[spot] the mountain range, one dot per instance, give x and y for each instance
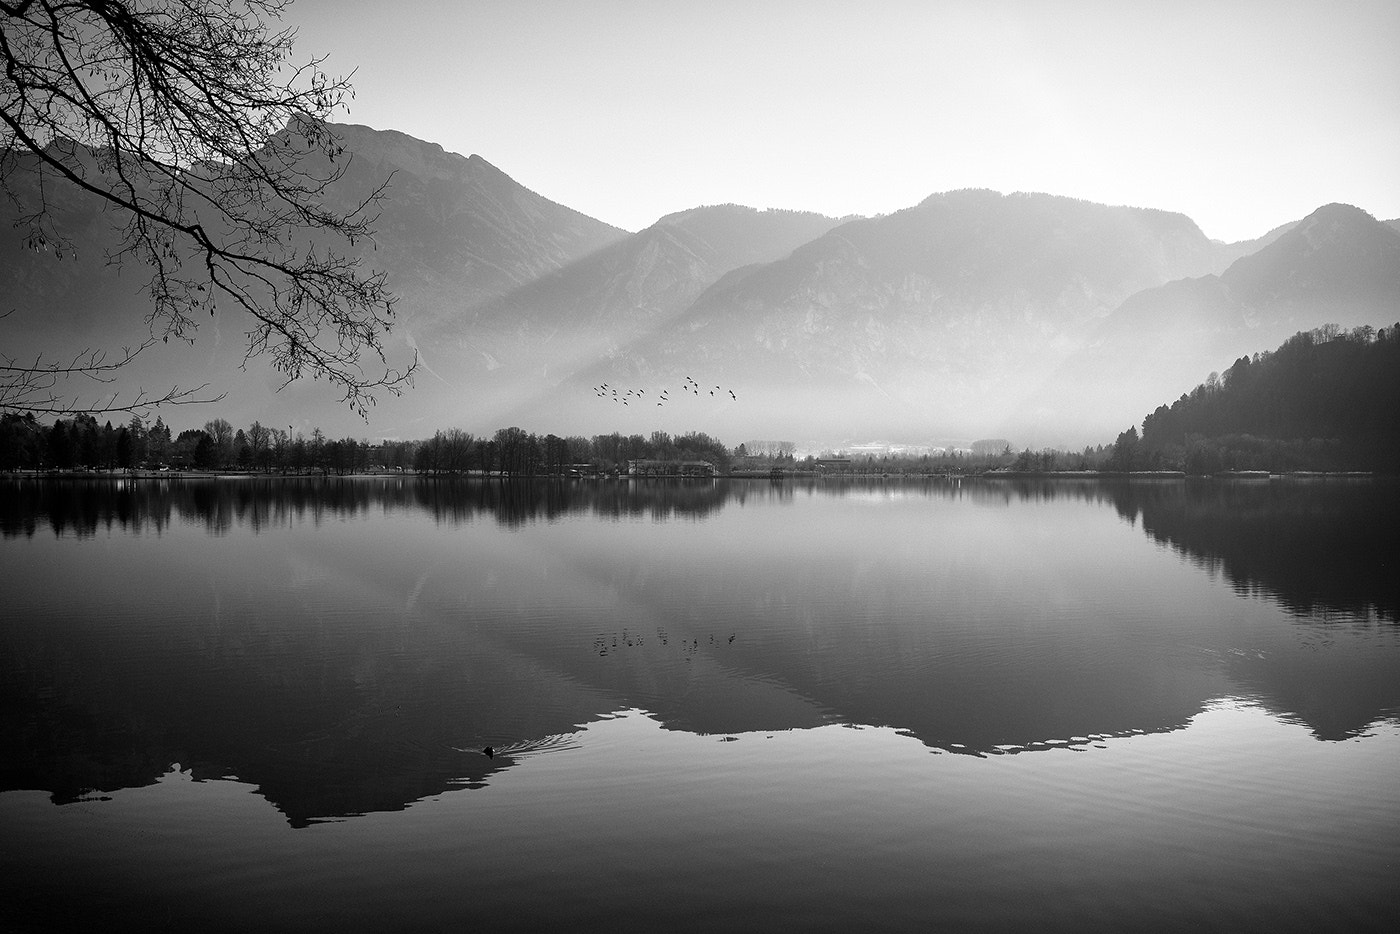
(1044, 319)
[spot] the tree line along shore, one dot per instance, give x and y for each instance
(1324, 402)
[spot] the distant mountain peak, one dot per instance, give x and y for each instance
(728, 208)
(1333, 221)
(1338, 249)
(1337, 210)
(737, 212)
(962, 194)
(419, 156)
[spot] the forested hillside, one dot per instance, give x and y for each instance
(1327, 399)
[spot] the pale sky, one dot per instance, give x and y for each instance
(1242, 115)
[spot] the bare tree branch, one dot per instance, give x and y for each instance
(33, 387)
(211, 153)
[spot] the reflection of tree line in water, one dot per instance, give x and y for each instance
(1314, 545)
(82, 506)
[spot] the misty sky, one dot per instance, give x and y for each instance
(1243, 115)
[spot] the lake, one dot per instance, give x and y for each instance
(253, 704)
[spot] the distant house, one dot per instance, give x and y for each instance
(669, 468)
(833, 463)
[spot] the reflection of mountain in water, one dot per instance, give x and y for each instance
(375, 681)
(1314, 546)
(1327, 551)
(327, 719)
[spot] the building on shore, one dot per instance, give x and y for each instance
(670, 468)
(832, 463)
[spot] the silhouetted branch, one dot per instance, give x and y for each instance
(33, 388)
(185, 121)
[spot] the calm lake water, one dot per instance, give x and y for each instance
(262, 705)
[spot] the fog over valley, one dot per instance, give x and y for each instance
(1046, 320)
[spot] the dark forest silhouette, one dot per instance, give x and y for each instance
(1325, 400)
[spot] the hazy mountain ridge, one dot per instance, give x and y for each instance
(635, 284)
(508, 356)
(1338, 265)
(1339, 255)
(918, 317)
(455, 230)
(1036, 317)
(1229, 252)
(451, 231)
(1336, 260)
(974, 244)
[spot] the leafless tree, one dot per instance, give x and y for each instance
(187, 122)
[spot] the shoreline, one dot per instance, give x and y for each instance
(775, 475)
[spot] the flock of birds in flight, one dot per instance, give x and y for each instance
(616, 394)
